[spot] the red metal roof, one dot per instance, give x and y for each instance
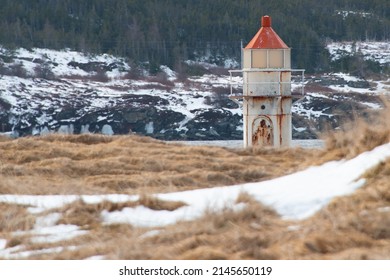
(266, 37)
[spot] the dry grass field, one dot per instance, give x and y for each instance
(351, 227)
(96, 164)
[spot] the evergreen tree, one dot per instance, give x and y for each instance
(169, 31)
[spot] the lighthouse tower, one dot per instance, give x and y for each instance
(267, 99)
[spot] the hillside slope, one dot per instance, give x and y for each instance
(169, 32)
(44, 91)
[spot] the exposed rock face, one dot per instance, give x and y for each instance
(96, 66)
(73, 104)
(4, 108)
(141, 114)
(213, 124)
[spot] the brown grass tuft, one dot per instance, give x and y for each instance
(158, 204)
(360, 135)
(88, 215)
(83, 214)
(15, 218)
(205, 253)
(375, 224)
(332, 242)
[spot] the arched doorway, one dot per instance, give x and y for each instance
(262, 129)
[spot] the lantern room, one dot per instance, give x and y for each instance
(266, 49)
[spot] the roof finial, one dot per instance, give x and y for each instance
(266, 21)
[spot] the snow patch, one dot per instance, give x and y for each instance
(296, 196)
(384, 209)
(169, 72)
(56, 233)
(345, 14)
(18, 252)
(371, 50)
(66, 129)
(150, 233)
(48, 220)
(149, 128)
(84, 129)
(3, 244)
(107, 130)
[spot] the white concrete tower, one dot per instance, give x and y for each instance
(267, 99)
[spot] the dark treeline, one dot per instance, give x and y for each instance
(170, 31)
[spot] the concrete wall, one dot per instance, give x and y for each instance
(276, 128)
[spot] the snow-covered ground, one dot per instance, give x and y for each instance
(61, 61)
(376, 51)
(295, 196)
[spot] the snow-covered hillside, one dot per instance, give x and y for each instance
(44, 91)
(375, 51)
(81, 94)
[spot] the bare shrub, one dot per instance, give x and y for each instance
(135, 73)
(196, 69)
(44, 71)
(161, 78)
(219, 71)
(18, 70)
(99, 76)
